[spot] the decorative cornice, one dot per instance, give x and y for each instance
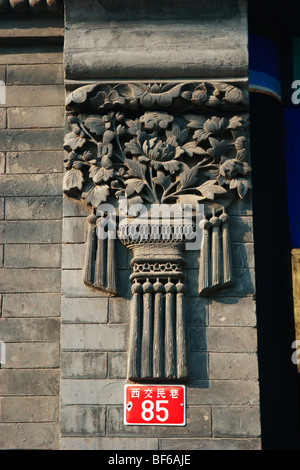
(36, 7)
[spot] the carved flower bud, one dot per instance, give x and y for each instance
(72, 119)
(170, 287)
(136, 288)
(67, 164)
(158, 287)
(180, 288)
(120, 116)
(108, 137)
(87, 156)
(215, 221)
(233, 95)
(133, 103)
(231, 168)
(121, 130)
(92, 219)
(147, 287)
(115, 184)
(121, 171)
(224, 218)
(106, 162)
(200, 95)
(204, 224)
(78, 165)
(155, 88)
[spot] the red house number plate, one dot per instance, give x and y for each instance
(155, 405)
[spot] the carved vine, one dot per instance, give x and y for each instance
(134, 96)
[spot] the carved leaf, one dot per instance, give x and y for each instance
(183, 135)
(133, 126)
(100, 174)
(190, 199)
(73, 179)
(80, 95)
(217, 148)
(163, 180)
(115, 97)
(95, 124)
(101, 100)
(187, 95)
(95, 194)
(136, 169)
(188, 177)
(195, 121)
(213, 102)
(172, 166)
(214, 124)
(176, 135)
(108, 136)
(242, 185)
(242, 155)
(209, 189)
(125, 90)
(133, 147)
(134, 185)
(73, 141)
(138, 89)
(240, 143)
(192, 148)
(235, 122)
(134, 200)
(173, 91)
(200, 135)
(148, 99)
(174, 132)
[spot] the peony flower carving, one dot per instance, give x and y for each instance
(155, 156)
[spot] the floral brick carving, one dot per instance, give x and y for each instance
(156, 144)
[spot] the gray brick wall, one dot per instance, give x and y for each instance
(75, 366)
(31, 135)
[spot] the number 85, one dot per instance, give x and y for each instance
(148, 414)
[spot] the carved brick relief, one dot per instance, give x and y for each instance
(157, 144)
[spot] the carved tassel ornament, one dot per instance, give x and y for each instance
(215, 265)
(157, 330)
(89, 262)
(100, 266)
(158, 346)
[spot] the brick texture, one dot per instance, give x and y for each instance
(31, 128)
